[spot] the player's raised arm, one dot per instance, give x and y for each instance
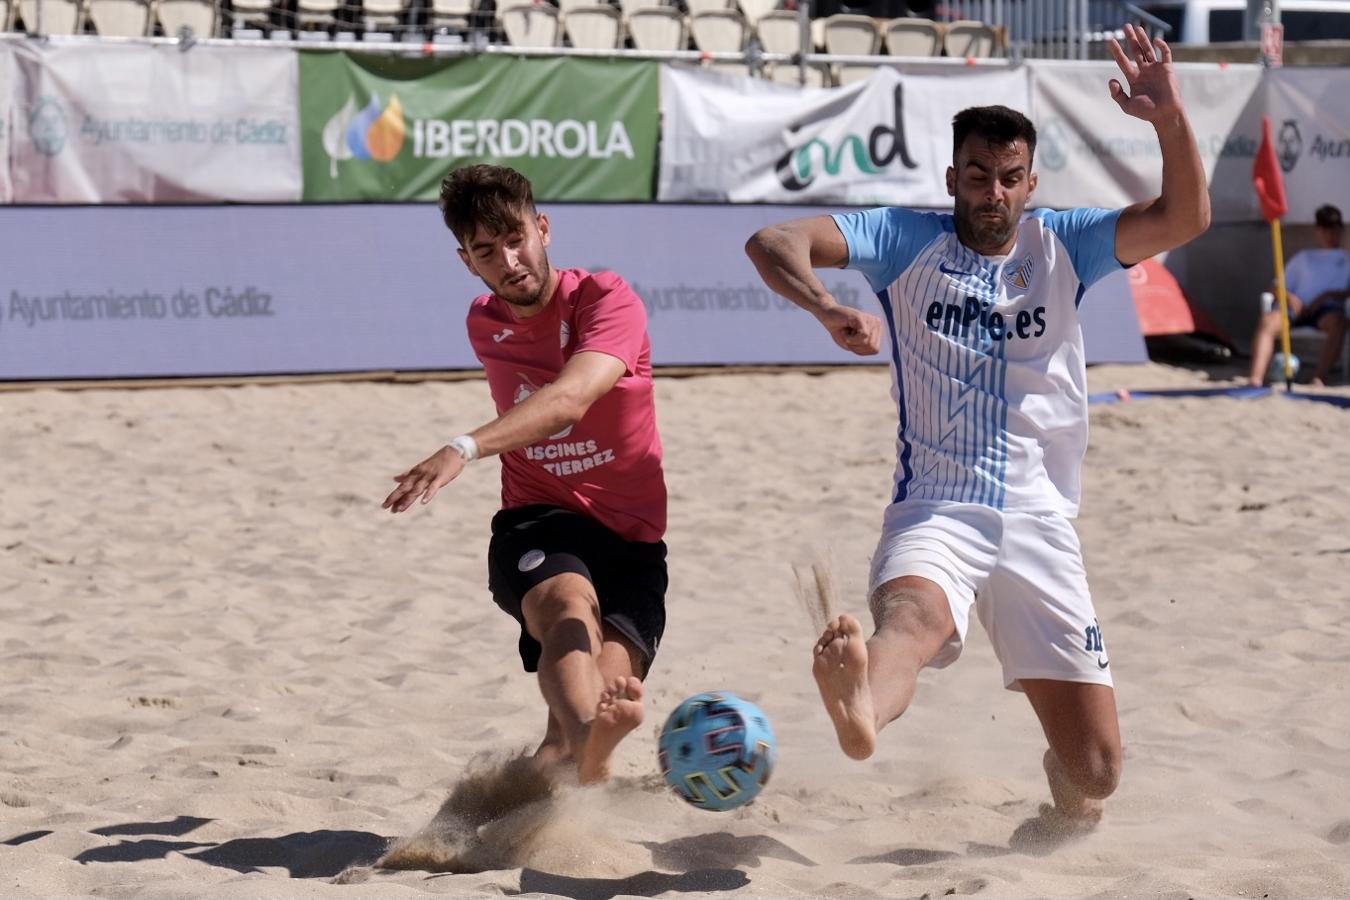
(1181, 212)
(786, 255)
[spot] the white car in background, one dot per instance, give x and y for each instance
(1220, 21)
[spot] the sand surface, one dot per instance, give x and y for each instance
(224, 672)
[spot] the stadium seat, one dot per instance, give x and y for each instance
(628, 7)
(197, 15)
(660, 28)
(252, 12)
(851, 35)
(384, 15)
(754, 10)
(58, 16)
(697, 6)
(451, 13)
(120, 18)
(316, 13)
(594, 27)
(566, 6)
(6, 16)
(970, 39)
(530, 25)
(719, 31)
(913, 37)
(780, 32)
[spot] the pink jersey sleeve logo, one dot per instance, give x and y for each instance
(527, 388)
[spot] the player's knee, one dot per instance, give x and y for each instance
(557, 613)
(912, 610)
(1098, 772)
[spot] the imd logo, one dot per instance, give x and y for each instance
(371, 133)
(1054, 145)
(1289, 145)
(798, 168)
(47, 127)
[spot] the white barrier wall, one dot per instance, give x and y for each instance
(98, 292)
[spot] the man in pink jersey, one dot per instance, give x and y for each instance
(576, 555)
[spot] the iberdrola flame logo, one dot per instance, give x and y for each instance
(371, 133)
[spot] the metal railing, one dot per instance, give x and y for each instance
(1055, 29)
(1028, 29)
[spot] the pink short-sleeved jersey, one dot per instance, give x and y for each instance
(608, 465)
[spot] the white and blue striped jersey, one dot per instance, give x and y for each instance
(987, 360)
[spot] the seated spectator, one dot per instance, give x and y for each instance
(1317, 282)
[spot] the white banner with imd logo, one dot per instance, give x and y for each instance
(884, 141)
(112, 123)
(1090, 153)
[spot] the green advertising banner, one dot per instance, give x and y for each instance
(388, 128)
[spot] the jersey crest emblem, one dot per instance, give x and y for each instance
(1019, 276)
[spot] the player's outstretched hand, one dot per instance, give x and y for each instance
(425, 479)
(1154, 94)
(854, 330)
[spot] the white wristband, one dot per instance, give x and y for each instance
(466, 446)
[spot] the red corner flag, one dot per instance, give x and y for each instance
(1267, 178)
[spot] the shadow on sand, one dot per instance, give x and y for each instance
(305, 854)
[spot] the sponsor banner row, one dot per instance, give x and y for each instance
(104, 123)
(338, 287)
(888, 140)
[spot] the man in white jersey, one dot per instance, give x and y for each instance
(1317, 284)
(989, 378)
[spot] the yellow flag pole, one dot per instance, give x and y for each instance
(1284, 306)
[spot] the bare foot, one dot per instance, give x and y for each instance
(840, 669)
(550, 758)
(619, 712)
(1080, 813)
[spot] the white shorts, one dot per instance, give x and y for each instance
(1022, 572)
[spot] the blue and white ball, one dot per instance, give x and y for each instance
(1277, 366)
(717, 751)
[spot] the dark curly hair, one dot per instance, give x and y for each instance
(493, 197)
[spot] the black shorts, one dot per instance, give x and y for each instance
(1313, 319)
(531, 544)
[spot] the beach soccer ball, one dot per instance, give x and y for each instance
(716, 751)
(1277, 366)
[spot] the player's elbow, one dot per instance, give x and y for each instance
(567, 406)
(764, 244)
(1191, 221)
(1201, 218)
(755, 247)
